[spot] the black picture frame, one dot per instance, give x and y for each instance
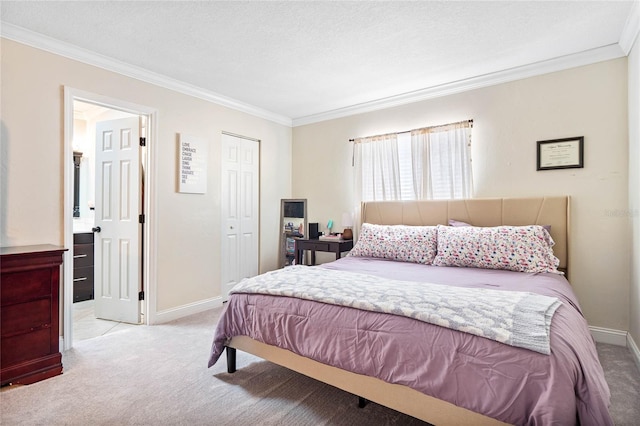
(554, 154)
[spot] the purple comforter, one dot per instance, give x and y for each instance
(514, 385)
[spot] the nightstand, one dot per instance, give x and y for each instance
(314, 245)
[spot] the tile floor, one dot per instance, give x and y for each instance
(87, 326)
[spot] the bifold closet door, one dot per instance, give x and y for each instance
(240, 198)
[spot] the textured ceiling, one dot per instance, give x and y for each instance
(299, 59)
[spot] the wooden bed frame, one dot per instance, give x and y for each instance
(552, 211)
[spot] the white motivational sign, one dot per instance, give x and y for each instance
(192, 160)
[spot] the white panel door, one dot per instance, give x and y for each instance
(249, 209)
(230, 250)
(117, 206)
(240, 210)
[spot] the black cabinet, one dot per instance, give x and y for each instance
(82, 266)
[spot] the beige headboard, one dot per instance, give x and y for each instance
(552, 211)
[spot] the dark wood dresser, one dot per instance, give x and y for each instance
(29, 311)
(82, 266)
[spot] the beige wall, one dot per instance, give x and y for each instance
(634, 187)
(188, 225)
(589, 101)
(509, 118)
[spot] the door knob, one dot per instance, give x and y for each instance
(96, 229)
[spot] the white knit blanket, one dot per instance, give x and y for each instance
(515, 318)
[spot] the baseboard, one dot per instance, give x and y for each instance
(186, 310)
(609, 336)
(619, 338)
(633, 348)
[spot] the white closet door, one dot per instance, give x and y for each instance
(240, 210)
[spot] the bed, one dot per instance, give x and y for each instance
(418, 365)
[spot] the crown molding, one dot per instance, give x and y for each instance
(39, 41)
(631, 28)
(612, 51)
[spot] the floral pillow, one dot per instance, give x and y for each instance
(515, 248)
(416, 244)
(453, 222)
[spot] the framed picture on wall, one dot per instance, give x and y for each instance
(192, 164)
(565, 153)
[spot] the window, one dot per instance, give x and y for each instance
(428, 163)
(407, 189)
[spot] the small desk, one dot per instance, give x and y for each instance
(314, 245)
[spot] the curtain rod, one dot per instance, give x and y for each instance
(429, 127)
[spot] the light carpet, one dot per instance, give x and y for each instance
(157, 376)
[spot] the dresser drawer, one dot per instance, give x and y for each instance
(82, 255)
(83, 284)
(82, 292)
(24, 286)
(83, 238)
(25, 317)
(83, 274)
(26, 347)
(317, 246)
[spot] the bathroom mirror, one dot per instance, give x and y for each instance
(293, 225)
(77, 157)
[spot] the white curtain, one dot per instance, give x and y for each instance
(441, 162)
(376, 168)
(427, 163)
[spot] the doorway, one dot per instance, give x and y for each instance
(93, 315)
(89, 127)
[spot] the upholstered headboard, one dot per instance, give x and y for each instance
(552, 211)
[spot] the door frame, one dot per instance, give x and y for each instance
(150, 202)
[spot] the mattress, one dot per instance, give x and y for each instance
(511, 384)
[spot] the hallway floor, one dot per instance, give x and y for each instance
(87, 326)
